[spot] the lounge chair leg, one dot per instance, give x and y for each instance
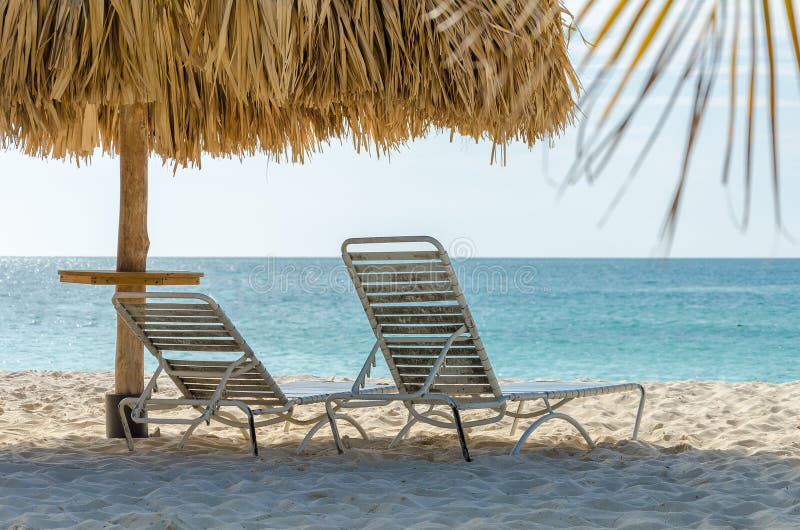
(127, 428)
(639, 413)
(288, 423)
(355, 424)
(232, 418)
(317, 426)
(461, 436)
(310, 434)
(187, 434)
(552, 416)
(438, 413)
(413, 421)
(516, 418)
(334, 428)
(403, 432)
(251, 422)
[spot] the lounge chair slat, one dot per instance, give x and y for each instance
(419, 330)
(172, 312)
(426, 345)
(194, 387)
(182, 373)
(188, 320)
(394, 287)
(235, 394)
(397, 341)
(465, 399)
(244, 384)
(155, 326)
(411, 298)
(174, 347)
(453, 390)
(243, 379)
(214, 368)
(201, 333)
(193, 362)
(418, 276)
(467, 350)
(159, 305)
(446, 380)
(230, 390)
(196, 341)
(253, 401)
(395, 256)
(448, 370)
(259, 404)
(419, 319)
(195, 368)
(450, 309)
(213, 372)
(433, 348)
(381, 268)
(428, 361)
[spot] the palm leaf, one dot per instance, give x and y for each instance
(715, 33)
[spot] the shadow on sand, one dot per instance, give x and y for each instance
(215, 481)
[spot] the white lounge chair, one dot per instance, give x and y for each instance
(433, 349)
(179, 327)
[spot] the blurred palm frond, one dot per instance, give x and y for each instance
(683, 46)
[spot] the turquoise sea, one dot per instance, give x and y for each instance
(639, 319)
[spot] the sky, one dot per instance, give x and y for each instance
(260, 207)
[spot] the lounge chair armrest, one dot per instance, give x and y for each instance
(146, 394)
(366, 370)
(217, 395)
(440, 360)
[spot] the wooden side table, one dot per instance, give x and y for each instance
(129, 360)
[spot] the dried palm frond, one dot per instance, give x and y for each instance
(695, 38)
(233, 77)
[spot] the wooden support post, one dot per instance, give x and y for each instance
(132, 242)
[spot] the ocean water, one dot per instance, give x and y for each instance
(730, 320)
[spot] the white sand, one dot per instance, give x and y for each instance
(710, 455)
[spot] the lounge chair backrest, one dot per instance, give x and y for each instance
(179, 327)
(414, 303)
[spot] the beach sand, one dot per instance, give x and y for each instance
(710, 455)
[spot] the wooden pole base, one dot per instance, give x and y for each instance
(114, 428)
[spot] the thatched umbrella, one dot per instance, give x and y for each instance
(184, 78)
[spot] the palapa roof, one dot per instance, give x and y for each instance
(234, 77)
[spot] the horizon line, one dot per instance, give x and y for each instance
(336, 256)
